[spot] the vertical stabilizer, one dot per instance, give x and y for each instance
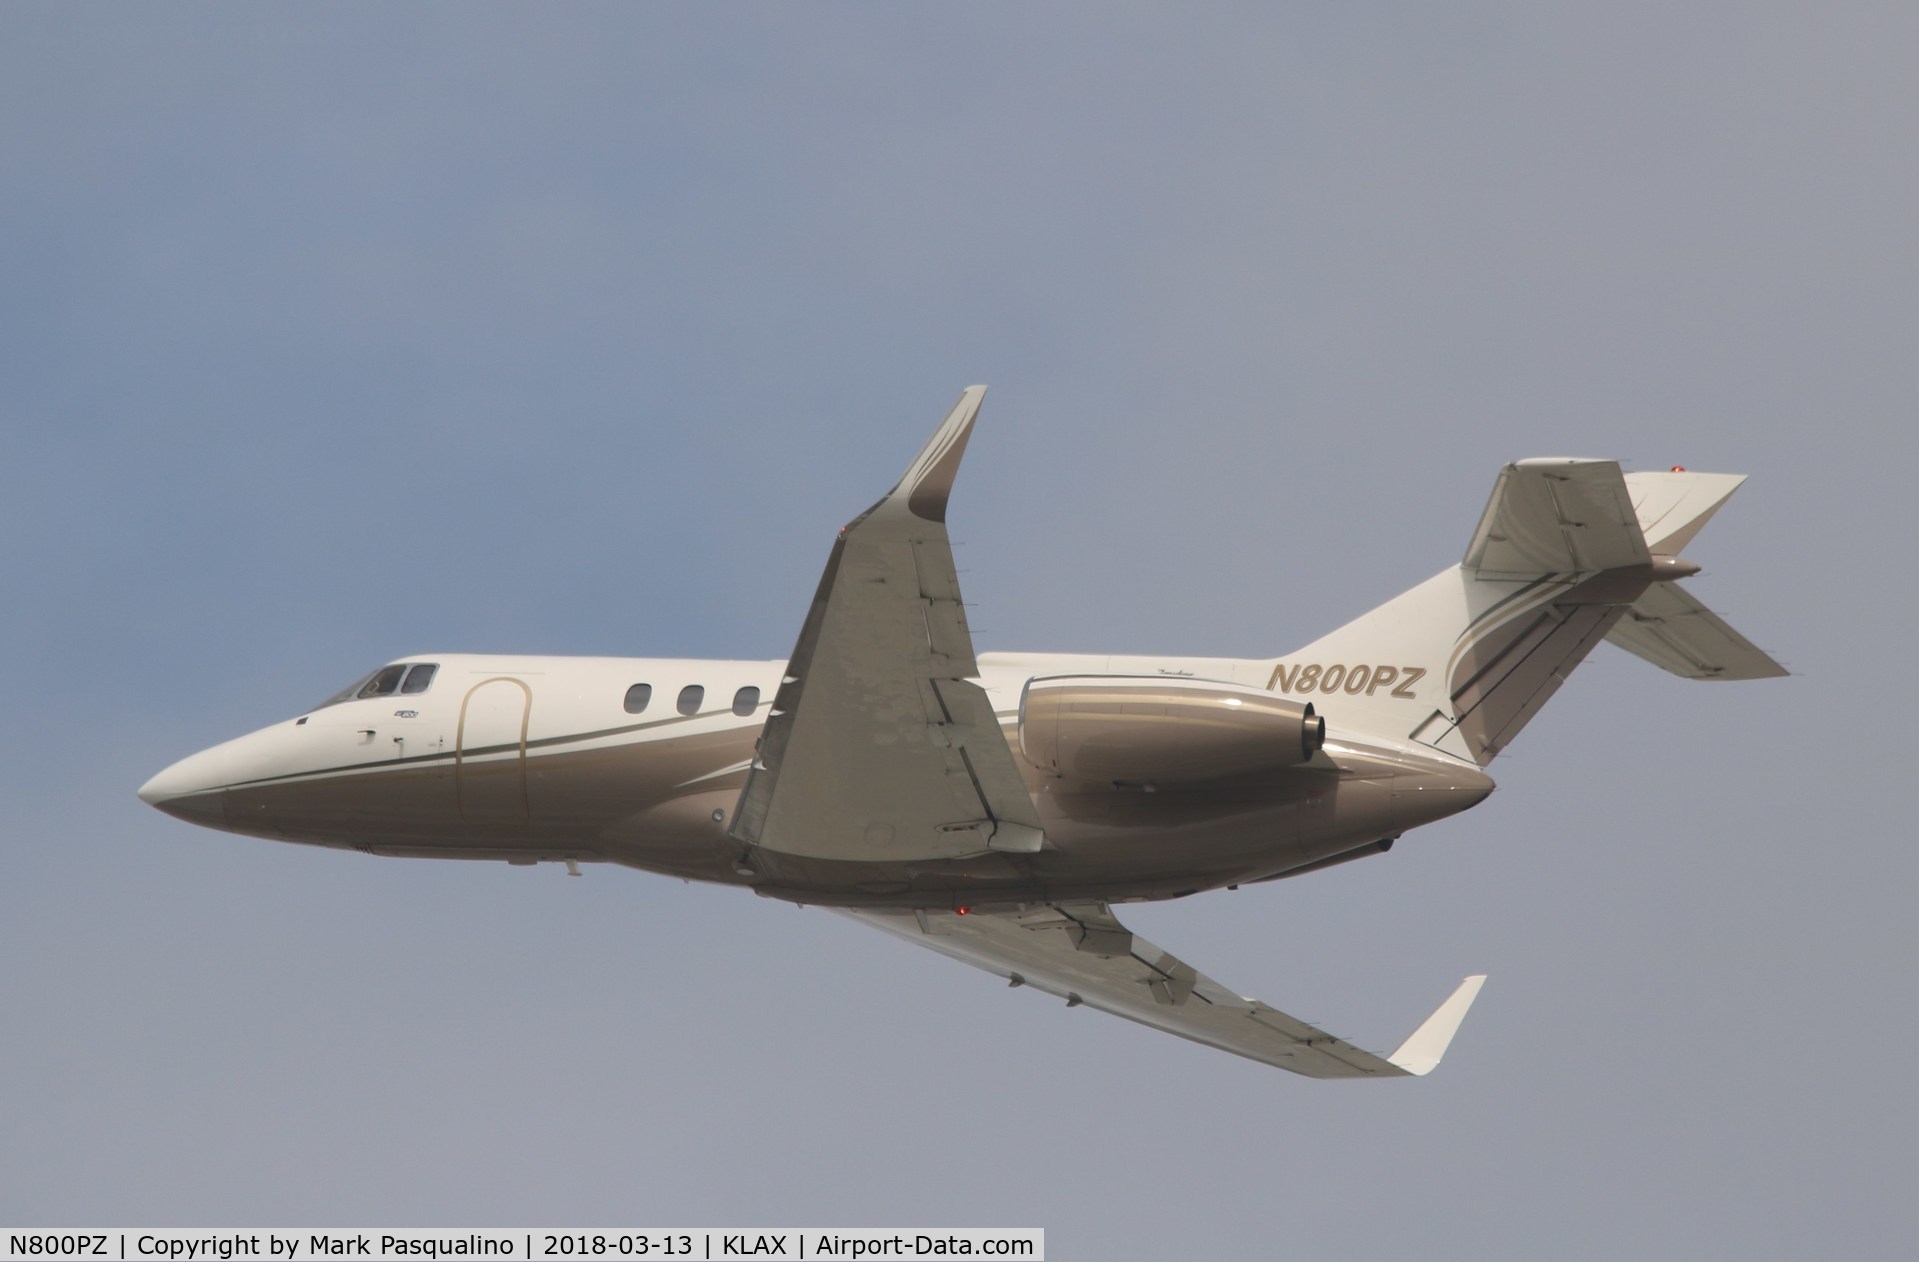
(1567, 553)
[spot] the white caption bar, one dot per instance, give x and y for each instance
(699, 1244)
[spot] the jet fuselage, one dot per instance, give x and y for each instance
(640, 762)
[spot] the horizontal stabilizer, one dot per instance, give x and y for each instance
(1557, 516)
(1673, 507)
(1670, 628)
(1081, 953)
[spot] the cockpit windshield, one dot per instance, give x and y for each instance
(407, 678)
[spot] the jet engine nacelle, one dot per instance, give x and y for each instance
(1154, 730)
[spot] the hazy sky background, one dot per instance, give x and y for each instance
(332, 334)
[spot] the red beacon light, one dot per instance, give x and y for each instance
(1679, 468)
(962, 911)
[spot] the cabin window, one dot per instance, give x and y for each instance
(419, 678)
(385, 682)
(690, 698)
(637, 696)
(745, 700)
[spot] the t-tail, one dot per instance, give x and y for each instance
(1568, 553)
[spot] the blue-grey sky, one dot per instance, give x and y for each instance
(330, 334)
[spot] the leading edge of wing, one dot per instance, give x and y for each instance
(1081, 953)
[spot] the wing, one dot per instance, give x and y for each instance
(878, 746)
(1081, 953)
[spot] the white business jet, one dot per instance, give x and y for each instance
(996, 807)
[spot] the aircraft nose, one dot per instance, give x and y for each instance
(190, 790)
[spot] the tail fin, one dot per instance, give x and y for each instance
(1567, 553)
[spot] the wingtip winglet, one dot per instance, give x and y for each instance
(930, 479)
(1420, 1054)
